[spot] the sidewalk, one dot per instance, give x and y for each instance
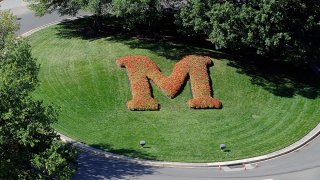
(11, 4)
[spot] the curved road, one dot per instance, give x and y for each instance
(301, 164)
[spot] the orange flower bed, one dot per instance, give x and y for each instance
(140, 69)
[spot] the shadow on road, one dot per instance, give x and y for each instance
(95, 167)
(125, 151)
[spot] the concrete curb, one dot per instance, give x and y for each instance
(295, 146)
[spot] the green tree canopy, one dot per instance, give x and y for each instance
(270, 27)
(137, 12)
(29, 147)
(287, 29)
(7, 27)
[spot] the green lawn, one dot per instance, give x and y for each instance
(81, 77)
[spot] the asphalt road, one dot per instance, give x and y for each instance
(303, 164)
(26, 18)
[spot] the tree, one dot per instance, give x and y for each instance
(29, 147)
(7, 27)
(138, 12)
(282, 29)
(277, 28)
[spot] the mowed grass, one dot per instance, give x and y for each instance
(81, 77)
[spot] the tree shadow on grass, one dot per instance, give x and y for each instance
(166, 43)
(279, 78)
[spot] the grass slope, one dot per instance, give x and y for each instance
(82, 78)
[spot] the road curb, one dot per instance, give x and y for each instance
(83, 147)
(293, 147)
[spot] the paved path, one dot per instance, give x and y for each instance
(303, 164)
